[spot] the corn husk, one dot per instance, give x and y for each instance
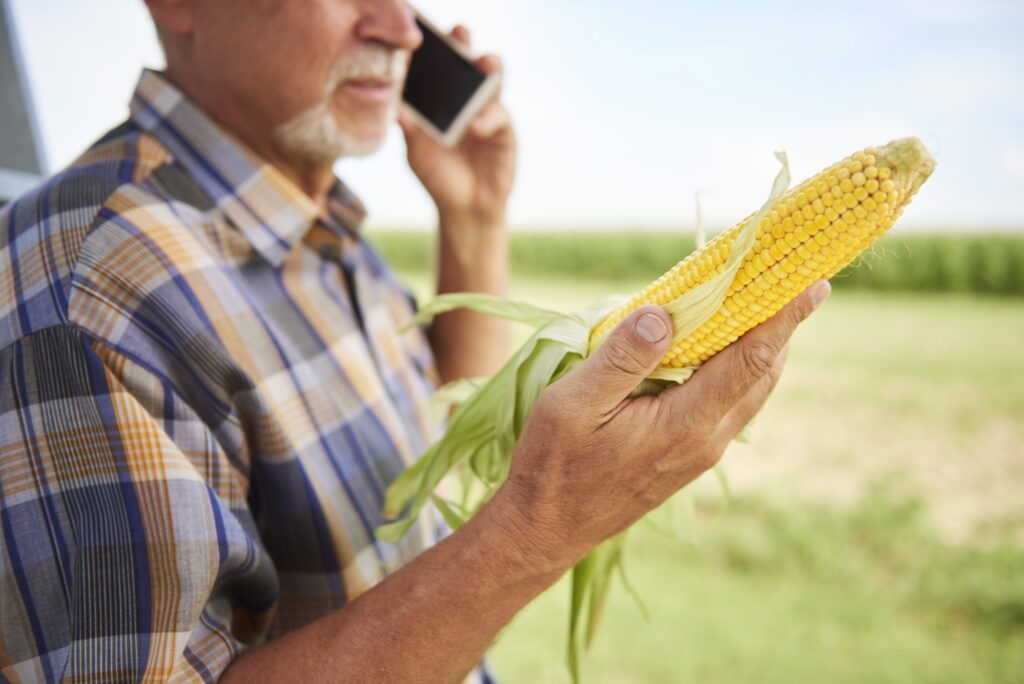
(487, 418)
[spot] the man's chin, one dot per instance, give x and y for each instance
(361, 139)
(360, 147)
(320, 139)
(365, 129)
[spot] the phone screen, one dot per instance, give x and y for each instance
(440, 81)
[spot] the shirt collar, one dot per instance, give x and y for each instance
(270, 210)
(346, 208)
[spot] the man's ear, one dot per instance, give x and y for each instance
(173, 16)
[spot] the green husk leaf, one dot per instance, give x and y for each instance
(488, 465)
(452, 516)
(582, 576)
(723, 483)
(489, 421)
(492, 305)
(630, 588)
(452, 394)
(674, 518)
(608, 560)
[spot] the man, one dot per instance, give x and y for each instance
(203, 396)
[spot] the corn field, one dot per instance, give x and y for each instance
(963, 263)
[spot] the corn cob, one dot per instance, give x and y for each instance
(811, 232)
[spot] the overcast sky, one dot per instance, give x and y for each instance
(625, 109)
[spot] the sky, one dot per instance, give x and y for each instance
(625, 110)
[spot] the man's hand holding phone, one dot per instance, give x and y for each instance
(471, 180)
(462, 147)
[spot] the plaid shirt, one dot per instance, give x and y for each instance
(202, 400)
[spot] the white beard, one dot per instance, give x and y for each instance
(315, 134)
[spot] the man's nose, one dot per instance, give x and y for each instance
(391, 22)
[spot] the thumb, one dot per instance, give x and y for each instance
(627, 356)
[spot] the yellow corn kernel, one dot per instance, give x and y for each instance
(813, 231)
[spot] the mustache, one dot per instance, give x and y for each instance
(370, 62)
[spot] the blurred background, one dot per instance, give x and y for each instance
(873, 527)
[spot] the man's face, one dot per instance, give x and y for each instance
(323, 77)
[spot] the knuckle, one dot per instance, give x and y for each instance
(759, 357)
(694, 427)
(624, 357)
(708, 458)
(684, 426)
(649, 497)
(688, 436)
(689, 463)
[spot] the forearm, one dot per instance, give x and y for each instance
(429, 622)
(471, 258)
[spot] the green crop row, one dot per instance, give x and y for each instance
(981, 263)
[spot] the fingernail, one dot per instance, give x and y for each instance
(651, 328)
(820, 292)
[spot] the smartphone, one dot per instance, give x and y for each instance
(444, 90)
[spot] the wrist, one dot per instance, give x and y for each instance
(470, 222)
(518, 528)
(474, 253)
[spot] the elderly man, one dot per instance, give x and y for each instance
(203, 395)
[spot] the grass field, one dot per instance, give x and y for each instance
(788, 592)
(876, 528)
